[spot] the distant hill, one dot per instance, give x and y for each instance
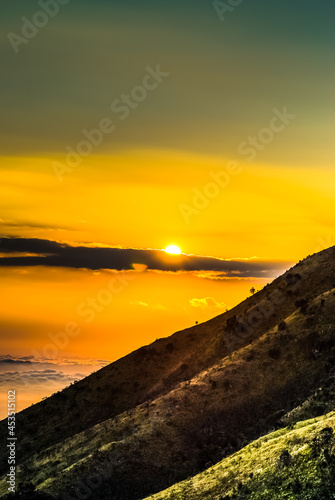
(175, 408)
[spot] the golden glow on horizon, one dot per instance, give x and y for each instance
(274, 213)
(173, 249)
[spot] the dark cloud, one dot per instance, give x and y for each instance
(30, 225)
(32, 360)
(36, 377)
(15, 361)
(7, 359)
(55, 254)
(22, 360)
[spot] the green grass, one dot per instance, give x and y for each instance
(260, 471)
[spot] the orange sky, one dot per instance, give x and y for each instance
(40, 306)
(147, 306)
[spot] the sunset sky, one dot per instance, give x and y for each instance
(130, 126)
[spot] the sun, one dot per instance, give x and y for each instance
(173, 249)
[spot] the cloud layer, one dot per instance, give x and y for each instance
(8, 359)
(17, 252)
(37, 377)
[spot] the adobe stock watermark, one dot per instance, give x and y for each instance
(123, 107)
(221, 8)
(254, 144)
(88, 310)
(201, 199)
(11, 441)
(30, 28)
(221, 180)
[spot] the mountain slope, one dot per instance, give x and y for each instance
(169, 410)
(292, 463)
(209, 417)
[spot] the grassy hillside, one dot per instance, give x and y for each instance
(291, 463)
(172, 409)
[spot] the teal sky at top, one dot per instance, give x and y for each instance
(225, 76)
